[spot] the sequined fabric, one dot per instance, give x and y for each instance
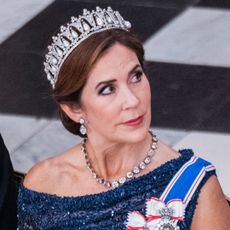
(107, 210)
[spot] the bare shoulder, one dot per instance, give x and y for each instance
(212, 211)
(46, 176)
(40, 174)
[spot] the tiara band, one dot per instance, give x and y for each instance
(75, 32)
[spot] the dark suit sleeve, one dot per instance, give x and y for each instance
(8, 210)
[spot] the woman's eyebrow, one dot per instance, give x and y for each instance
(114, 80)
(134, 69)
(105, 82)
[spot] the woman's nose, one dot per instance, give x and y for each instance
(130, 99)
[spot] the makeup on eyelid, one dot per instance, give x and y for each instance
(109, 84)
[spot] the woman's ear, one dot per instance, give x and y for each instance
(73, 112)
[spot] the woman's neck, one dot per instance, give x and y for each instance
(114, 160)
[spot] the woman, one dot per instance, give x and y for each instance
(8, 204)
(120, 176)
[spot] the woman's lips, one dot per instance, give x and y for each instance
(134, 122)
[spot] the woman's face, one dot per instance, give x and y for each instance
(116, 98)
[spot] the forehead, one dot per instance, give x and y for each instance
(117, 61)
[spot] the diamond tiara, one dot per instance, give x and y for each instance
(75, 32)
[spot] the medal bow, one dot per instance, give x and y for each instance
(157, 213)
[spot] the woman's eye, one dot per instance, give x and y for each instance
(106, 90)
(137, 77)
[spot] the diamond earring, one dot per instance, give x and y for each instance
(83, 129)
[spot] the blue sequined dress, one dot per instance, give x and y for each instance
(107, 210)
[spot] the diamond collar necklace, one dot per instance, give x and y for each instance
(130, 175)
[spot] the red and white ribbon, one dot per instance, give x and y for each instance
(154, 207)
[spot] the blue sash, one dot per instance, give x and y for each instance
(165, 212)
(185, 182)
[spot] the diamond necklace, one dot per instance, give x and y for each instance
(130, 175)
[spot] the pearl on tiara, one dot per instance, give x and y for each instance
(75, 32)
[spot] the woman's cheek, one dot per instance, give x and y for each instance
(147, 91)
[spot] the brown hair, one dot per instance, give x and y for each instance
(75, 69)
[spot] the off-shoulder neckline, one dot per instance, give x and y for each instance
(186, 154)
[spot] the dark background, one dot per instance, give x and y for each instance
(183, 96)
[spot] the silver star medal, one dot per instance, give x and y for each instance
(166, 222)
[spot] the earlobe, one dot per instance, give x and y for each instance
(72, 112)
